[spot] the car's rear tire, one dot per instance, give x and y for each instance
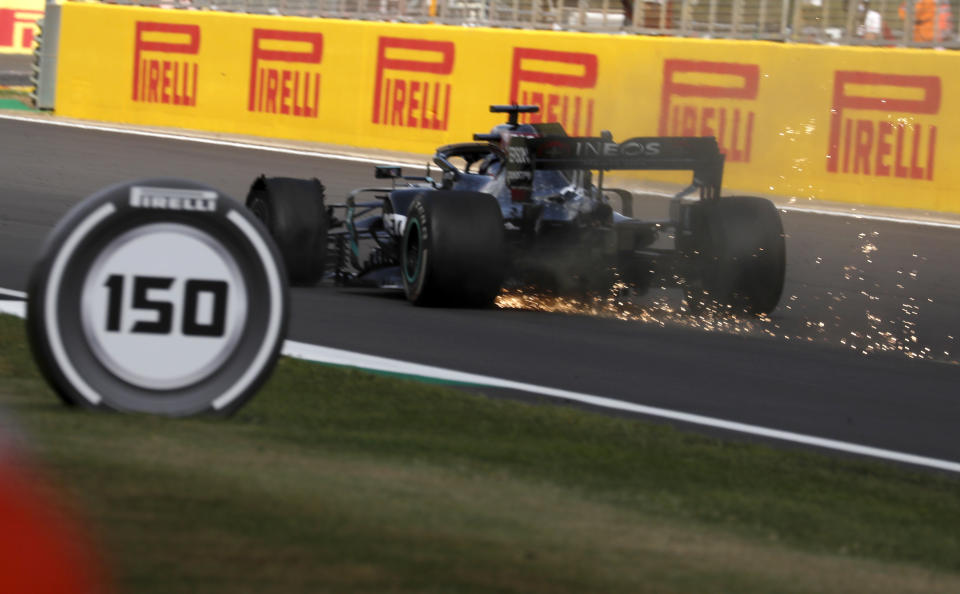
(294, 213)
(452, 252)
(739, 256)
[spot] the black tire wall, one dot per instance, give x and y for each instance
(294, 213)
(452, 254)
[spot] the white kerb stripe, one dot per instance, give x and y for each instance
(320, 354)
(51, 319)
(276, 306)
(870, 217)
(14, 308)
(311, 352)
(212, 141)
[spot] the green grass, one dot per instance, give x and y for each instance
(333, 480)
(14, 99)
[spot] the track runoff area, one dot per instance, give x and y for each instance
(11, 302)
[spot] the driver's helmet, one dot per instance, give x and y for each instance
(491, 164)
(524, 129)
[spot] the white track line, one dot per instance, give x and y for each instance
(210, 141)
(870, 217)
(359, 159)
(332, 356)
(12, 293)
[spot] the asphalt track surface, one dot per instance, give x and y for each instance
(15, 69)
(817, 367)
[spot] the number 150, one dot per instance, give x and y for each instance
(163, 323)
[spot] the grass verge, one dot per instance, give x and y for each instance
(15, 99)
(335, 480)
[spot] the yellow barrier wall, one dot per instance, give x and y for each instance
(854, 124)
(18, 27)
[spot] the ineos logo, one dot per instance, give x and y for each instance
(630, 148)
(581, 148)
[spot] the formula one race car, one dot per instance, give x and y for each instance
(524, 206)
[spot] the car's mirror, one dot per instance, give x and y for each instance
(450, 171)
(387, 172)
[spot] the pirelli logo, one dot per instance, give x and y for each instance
(562, 83)
(412, 88)
(702, 98)
(173, 199)
(18, 27)
(165, 64)
(882, 124)
(284, 72)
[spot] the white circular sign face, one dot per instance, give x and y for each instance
(142, 300)
(163, 306)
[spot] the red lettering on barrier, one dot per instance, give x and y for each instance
(17, 27)
(407, 101)
(876, 150)
(573, 110)
(287, 91)
(162, 79)
(731, 123)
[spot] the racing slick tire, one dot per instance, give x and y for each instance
(293, 211)
(741, 256)
(452, 252)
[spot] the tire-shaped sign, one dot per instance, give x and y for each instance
(159, 296)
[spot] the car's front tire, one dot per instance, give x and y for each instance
(452, 252)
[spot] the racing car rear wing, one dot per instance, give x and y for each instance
(526, 154)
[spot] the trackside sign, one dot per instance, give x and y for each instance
(412, 87)
(158, 296)
(561, 83)
(284, 72)
(865, 125)
(165, 66)
(18, 25)
(701, 98)
(880, 125)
